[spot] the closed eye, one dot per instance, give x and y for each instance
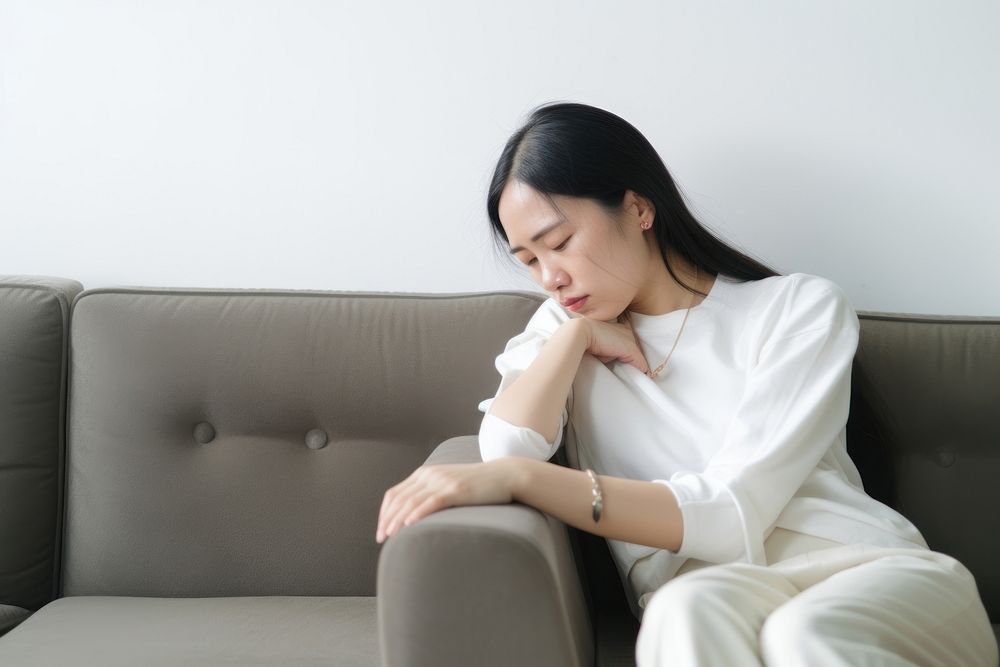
(558, 248)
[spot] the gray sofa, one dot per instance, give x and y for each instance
(193, 476)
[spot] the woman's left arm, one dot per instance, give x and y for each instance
(634, 511)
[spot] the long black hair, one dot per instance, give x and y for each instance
(577, 150)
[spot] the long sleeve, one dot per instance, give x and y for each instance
(795, 403)
(498, 437)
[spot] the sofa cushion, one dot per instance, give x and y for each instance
(239, 442)
(932, 381)
(111, 631)
(10, 616)
(34, 329)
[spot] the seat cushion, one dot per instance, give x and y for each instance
(275, 630)
(10, 616)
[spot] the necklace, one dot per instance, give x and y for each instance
(652, 374)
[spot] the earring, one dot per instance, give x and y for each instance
(645, 225)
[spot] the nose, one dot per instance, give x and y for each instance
(552, 277)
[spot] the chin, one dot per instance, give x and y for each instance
(599, 317)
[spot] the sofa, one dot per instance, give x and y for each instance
(193, 477)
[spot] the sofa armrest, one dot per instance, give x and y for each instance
(481, 585)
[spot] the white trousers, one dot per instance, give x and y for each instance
(832, 605)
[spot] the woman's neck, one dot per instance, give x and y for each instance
(663, 294)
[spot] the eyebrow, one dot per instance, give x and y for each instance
(545, 230)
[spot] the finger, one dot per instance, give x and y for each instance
(404, 509)
(641, 364)
(426, 481)
(431, 504)
(408, 496)
(400, 488)
(438, 491)
(638, 359)
(383, 511)
(389, 501)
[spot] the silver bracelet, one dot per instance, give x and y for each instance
(595, 490)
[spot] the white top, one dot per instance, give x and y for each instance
(746, 425)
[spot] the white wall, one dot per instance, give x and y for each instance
(323, 145)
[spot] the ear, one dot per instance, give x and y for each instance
(643, 208)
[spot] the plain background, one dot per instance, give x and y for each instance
(348, 146)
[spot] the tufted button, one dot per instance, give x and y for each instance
(945, 456)
(204, 433)
(316, 439)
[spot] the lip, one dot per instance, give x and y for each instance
(574, 304)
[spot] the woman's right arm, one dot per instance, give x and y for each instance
(528, 413)
(535, 400)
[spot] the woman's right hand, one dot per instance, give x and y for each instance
(613, 340)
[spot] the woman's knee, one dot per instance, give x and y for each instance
(799, 632)
(790, 629)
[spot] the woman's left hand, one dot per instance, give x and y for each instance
(434, 487)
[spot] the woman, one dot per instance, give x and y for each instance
(708, 398)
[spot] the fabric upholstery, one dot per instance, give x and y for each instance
(129, 631)
(34, 317)
(934, 386)
(10, 616)
(502, 578)
(239, 442)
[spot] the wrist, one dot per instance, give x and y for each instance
(518, 475)
(579, 329)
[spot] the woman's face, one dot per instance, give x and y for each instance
(577, 251)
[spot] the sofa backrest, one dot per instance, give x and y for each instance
(239, 442)
(928, 439)
(34, 330)
(191, 414)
